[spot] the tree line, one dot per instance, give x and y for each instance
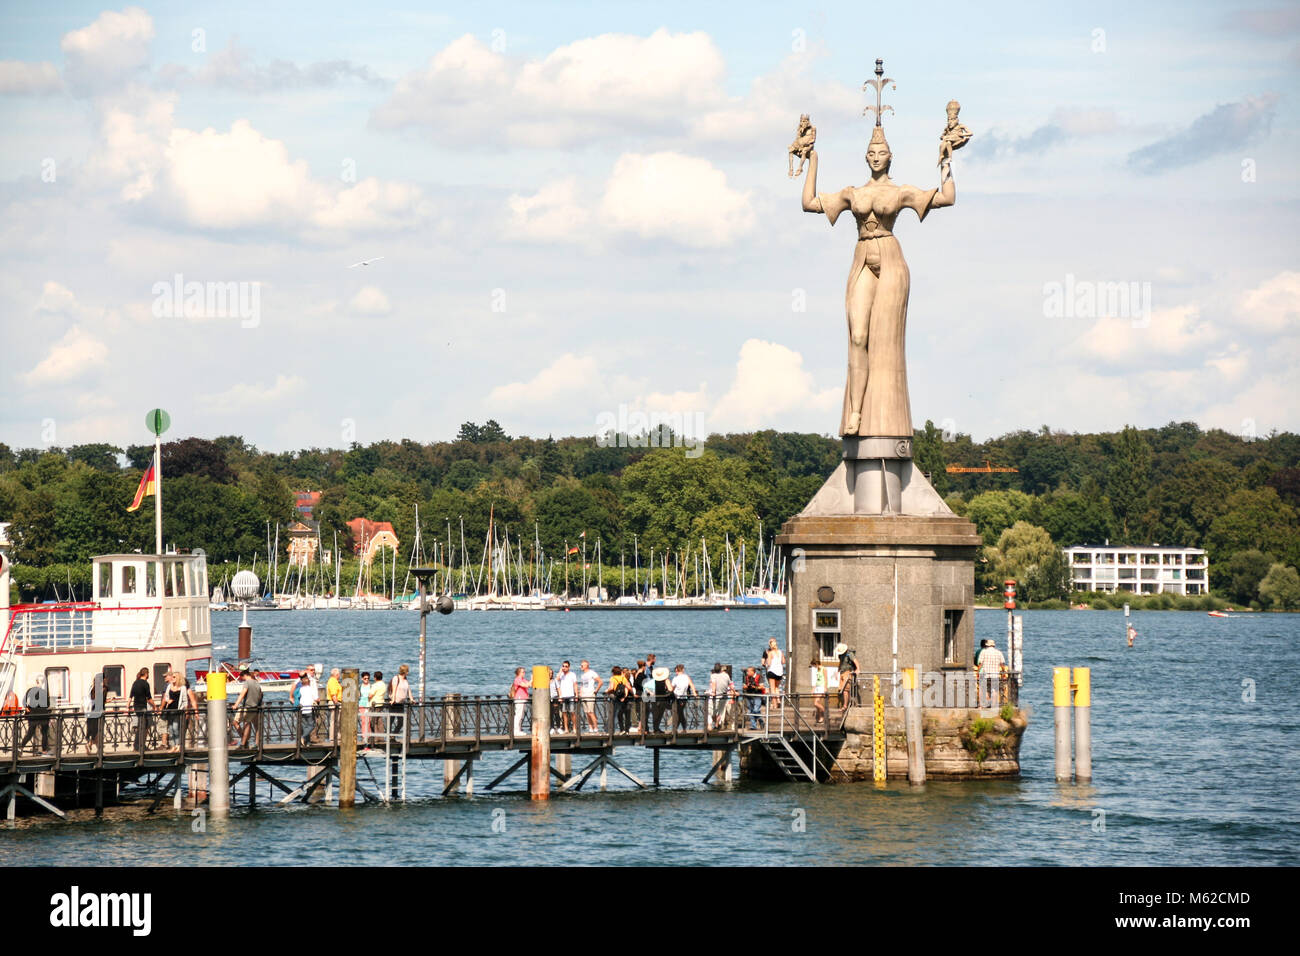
(1177, 485)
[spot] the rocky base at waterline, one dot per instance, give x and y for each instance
(960, 743)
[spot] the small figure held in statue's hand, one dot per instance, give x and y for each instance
(805, 137)
(954, 135)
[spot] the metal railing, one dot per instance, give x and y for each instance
(946, 688)
(66, 626)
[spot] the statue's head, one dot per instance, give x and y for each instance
(878, 155)
(953, 109)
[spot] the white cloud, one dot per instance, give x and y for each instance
(599, 87)
(1173, 331)
(770, 381)
(108, 51)
(56, 299)
(250, 395)
(237, 179)
(72, 356)
(658, 196)
(569, 375)
(1273, 306)
(370, 300)
(19, 77)
(553, 212)
(671, 196)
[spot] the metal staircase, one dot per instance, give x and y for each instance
(786, 760)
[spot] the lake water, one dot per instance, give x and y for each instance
(1187, 769)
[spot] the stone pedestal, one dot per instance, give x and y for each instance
(901, 586)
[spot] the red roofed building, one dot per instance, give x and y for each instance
(305, 502)
(369, 536)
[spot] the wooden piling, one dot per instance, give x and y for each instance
(347, 729)
(539, 764)
(1083, 724)
(912, 722)
(1061, 704)
(218, 741)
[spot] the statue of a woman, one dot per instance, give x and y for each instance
(875, 398)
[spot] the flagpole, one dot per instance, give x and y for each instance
(157, 492)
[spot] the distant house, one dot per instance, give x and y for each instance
(305, 502)
(369, 536)
(1149, 570)
(304, 543)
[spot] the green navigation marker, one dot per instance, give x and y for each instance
(157, 421)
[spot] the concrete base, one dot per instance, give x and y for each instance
(953, 751)
(898, 584)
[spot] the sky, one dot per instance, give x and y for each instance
(576, 211)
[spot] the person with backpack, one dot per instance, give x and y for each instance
(37, 702)
(753, 690)
(620, 692)
(848, 672)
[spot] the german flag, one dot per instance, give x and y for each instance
(573, 551)
(146, 488)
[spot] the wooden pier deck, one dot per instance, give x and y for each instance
(455, 728)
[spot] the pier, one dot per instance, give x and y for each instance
(797, 734)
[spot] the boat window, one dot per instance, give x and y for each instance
(160, 672)
(181, 572)
(105, 581)
(169, 589)
(113, 677)
(151, 578)
(56, 681)
(128, 579)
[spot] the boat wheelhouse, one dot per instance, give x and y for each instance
(146, 611)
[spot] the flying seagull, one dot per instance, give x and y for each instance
(365, 262)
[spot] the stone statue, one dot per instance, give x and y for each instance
(805, 135)
(954, 135)
(876, 422)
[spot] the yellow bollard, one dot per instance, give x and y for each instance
(539, 765)
(912, 722)
(218, 761)
(1061, 704)
(1083, 724)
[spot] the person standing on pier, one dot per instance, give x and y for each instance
(141, 704)
(640, 677)
(990, 670)
(753, 690)
(774, 664)
(662, 693)
(590, 682)
(520, 691)
(363, 708)
(246, 706)
(37, 702)
(307, 697)
(378, 692)
(848, 672)
(683, 690)
(334, 696)
(567, 691)
(399, 694)
(620, 692)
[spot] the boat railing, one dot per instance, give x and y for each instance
(68, 626)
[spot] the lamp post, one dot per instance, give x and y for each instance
(443, 605)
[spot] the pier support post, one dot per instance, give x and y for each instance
(656, 749)
(539, 765)
(723, 757)
(912, 722)
(347, 728)
(1061, 704)
(1083, 724)
(218, 741)
(450, 776)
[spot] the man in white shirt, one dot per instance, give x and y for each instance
(991, 666)
(567, 690)
(308, 694)
(683, 688)
(590, 683)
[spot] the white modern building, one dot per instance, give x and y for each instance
(1150, 570)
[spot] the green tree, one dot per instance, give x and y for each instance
(1252, 520)
(1280, 588)
(995, 511)
(1026, 553)
(1129, 480)
(1244, 572)
(927, 447)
